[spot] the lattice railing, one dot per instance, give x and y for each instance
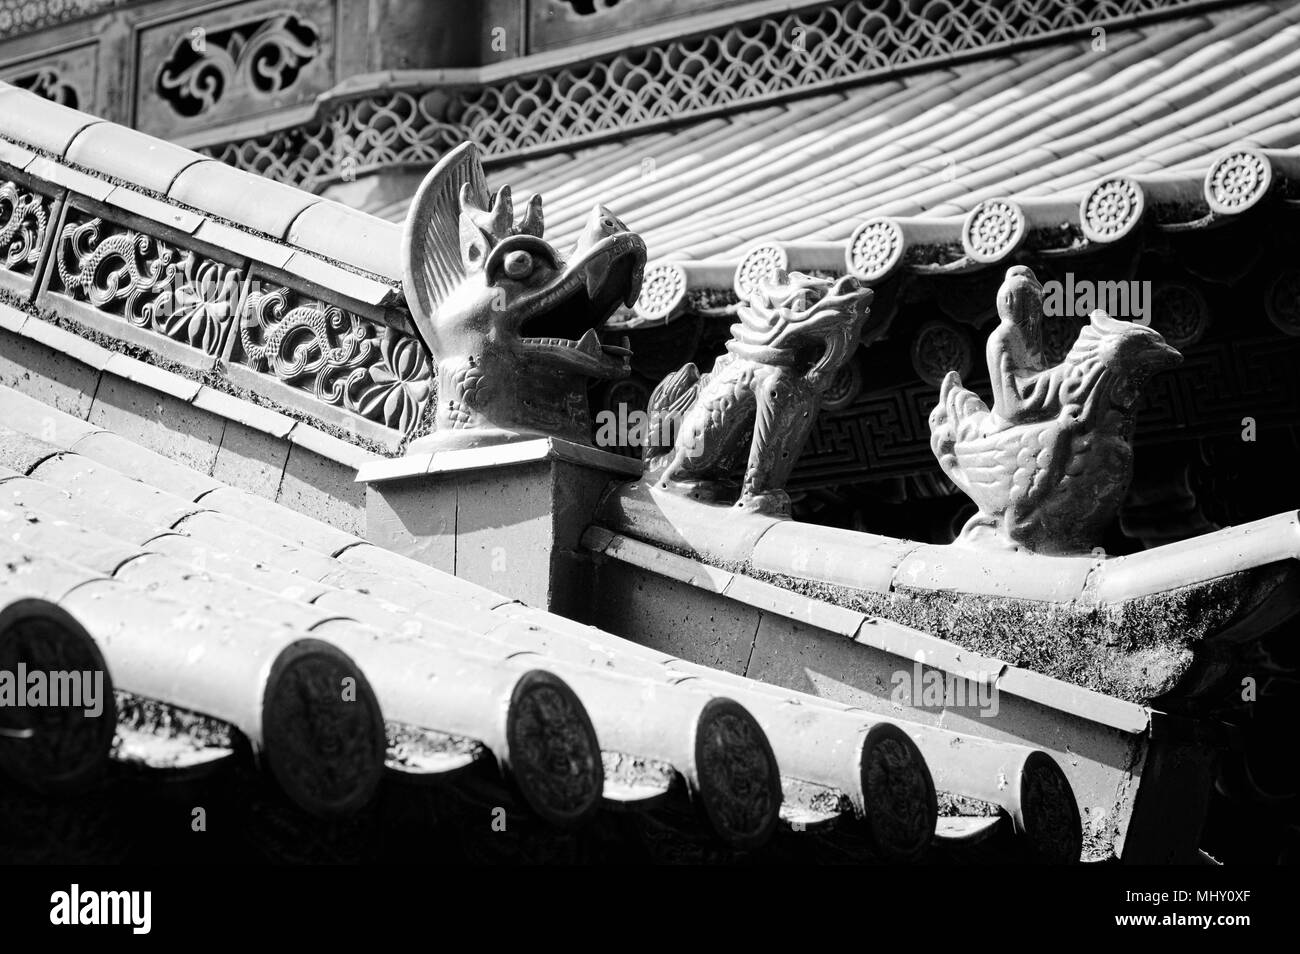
(25, 16)
(820, 46)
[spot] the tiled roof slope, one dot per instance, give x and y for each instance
(1042, 123)
(126, 168)
(223, 606)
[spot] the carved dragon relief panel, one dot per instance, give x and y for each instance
(334, 355)
(24, 222)
(230, 64)
(342, 359)
(146, 281)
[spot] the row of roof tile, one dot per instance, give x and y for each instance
(118, 157)
(145, 552)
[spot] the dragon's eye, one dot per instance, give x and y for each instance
(609, 224)
(519, 265)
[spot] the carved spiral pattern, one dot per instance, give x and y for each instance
(899, 795)
(1049, 812)
(148, 282)
(663, 290)
(48, 83)
(1180, 313)
(337, 357)
(1111, 209)
(24, 217)
(265, 56)
(820, 44)
(759, 265)
(875, 248)
(1238, 181)
(940, 347)
(992, 230)
(554, 755)
(738, 777)
(325, 744)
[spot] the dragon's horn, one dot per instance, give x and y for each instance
(531, 222)
(503, 213)
(433, 240)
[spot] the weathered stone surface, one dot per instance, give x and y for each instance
(166, 424)
(46, 374)
(325, 489)
(674, 618)
(251, 460)
(416, 518)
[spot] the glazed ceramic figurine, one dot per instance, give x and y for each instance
(792, 337)
(511, 323)
(1051, 461)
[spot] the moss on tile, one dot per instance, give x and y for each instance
(1137, 651)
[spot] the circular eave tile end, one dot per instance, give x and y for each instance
(55, 748)
(322, 729)
(993, 231)
(760, 264)
(899, 801)
(552, 751)
(663, 292)
(875, 249)
(1048, 814)
(1111, 209)
(1238, 181)
(739, 783)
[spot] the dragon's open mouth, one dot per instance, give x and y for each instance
(562, 319)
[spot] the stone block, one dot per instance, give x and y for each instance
(416, 518)
(251, 460)
(325, 489)
(161, 422)
(47, 375)
(673, 617)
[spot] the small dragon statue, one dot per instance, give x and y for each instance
(793, 335)
(1049, 464)
(511, 323)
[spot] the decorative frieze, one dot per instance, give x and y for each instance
(147, 282)
(24, 221)
(266, 56)
(335, 356)
(744, 63)
(232, 63)
(25, 16)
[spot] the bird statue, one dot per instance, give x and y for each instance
(1050, 462)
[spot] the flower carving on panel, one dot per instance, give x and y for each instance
(24, 217)
(148, 282)
(393, 390)
(338, 357)
(265, 56)
(198, 305)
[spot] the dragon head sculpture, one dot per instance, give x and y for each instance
(511, 323)
(801, 321)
